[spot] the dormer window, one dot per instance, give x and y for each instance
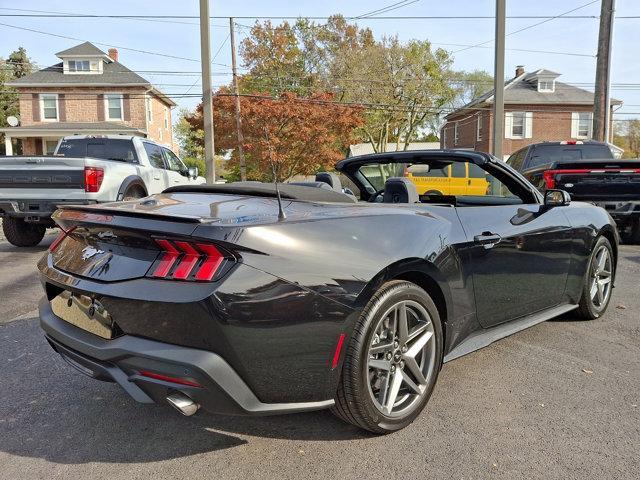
(79, 65)
(546, 85)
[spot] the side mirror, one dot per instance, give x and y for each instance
(193, 172)
(556, 198)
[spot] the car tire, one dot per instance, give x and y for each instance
(598, 281)
(360, 399)
(22, 234)
(133, 193)
(434, 192)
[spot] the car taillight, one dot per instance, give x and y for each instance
(93, 177)
(181, 260)
(58, 240)
(550, 175)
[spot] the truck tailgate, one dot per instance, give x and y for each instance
(614, 180)
(55, 177)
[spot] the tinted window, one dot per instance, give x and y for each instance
(458, 170)
(476, 172)
(543, 154)
(517, 159)
(104, 148)
(154, 152)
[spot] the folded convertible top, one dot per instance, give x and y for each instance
(258, 189)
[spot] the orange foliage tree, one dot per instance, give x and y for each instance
(299, 135)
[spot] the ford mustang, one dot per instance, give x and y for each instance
(249, 298)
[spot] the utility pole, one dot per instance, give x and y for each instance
(498, 80)
(207, 106)
(602, 95)
(243, 166)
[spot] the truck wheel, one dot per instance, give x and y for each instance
(133, 193)
(21, 233)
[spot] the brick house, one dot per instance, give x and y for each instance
(537, 108)
(88, 92)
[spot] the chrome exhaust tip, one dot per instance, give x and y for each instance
(182, 403)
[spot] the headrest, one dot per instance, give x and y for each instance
(330, 179)
(400, 190)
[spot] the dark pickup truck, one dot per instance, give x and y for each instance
(590, 173)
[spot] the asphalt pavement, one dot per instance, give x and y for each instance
(560, 400)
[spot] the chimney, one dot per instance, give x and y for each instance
(113, 53)
(519, 68)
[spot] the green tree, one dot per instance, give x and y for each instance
(17, 65)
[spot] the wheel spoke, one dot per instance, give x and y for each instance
(403, 326)
(600, 294)
(410, 383)
(413, 366)
(602, 259)
(418, 330)
(380, 364)
(394, 388)
(418, 345)
(604, 281)
(604, 274)
(384, 388)
(594, 289)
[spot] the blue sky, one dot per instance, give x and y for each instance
(182, 39)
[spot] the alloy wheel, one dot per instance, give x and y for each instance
(601, 268)
(401, 358)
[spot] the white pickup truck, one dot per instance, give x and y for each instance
(83, 170)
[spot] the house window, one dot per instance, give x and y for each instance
(546, 85)
(149, 111)
(456, 135)
(79, 65)
(166, 117)
(113, 106)
(517, 124)
(479, 129)
(49, 145)
(582, 124)
(49, 106)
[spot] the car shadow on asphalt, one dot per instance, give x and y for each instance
(6, 247)
(49, 411)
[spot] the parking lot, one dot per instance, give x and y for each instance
(560, 400)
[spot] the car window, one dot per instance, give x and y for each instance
(103, 148)
(173, 161)
(458, 170)
(154, 152)
(378, 174)
(419, 171)
(476, 172)
(516, 160)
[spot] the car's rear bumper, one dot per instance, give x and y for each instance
(620, 210)
(36, 210)
(220, 390)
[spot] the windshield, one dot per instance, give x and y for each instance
(104, 148)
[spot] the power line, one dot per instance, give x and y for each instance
(561, 15)
(388, 8)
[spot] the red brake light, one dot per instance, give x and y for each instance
(93, 177)
(201, 258)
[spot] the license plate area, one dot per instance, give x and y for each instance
(83, 312)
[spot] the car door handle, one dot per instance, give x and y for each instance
(156, 178)
(487, 239)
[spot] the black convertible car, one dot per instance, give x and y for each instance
(214, 297)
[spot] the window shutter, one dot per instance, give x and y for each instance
(38, 146)
(575, 118)
(126, 107)
(508, 124)
(62, 111)
(528, 125)
(35, 107)
(100, 107)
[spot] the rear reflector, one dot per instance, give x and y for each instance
(336, 354)
(183, 260)
(165, 378)
(93, 177)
